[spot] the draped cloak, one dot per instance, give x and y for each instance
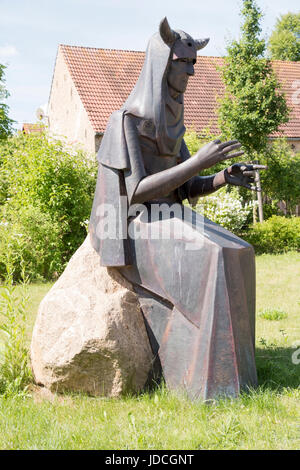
(198, 306)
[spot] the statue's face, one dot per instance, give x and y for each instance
(179, 73)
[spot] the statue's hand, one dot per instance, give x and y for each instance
(242, 174)
(216, 151)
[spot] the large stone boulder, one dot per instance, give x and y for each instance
(89, 335)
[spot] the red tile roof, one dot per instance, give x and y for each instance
(105, 77)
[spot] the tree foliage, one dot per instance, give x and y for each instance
(281, 180)
(5, 122)
(253, 105)
(284, 42)
(46, 195)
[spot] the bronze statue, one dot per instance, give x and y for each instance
(198, 299)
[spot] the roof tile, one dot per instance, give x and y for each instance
(105, 77)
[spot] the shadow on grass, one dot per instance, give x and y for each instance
(275, 368)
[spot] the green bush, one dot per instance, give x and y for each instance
(271, 208)
(275, 235)
(15, 372)
(46, 193)
(31, 236)
(280, 182)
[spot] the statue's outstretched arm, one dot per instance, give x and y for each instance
(162, 183)
(238, 174)
(204, 185)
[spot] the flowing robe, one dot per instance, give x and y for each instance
(196, 286)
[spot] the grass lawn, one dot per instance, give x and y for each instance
(266, 418)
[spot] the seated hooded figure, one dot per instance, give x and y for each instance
(196, 289)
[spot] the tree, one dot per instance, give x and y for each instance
(284, 42)
(5, 122)
(253, 105)
(281, 181)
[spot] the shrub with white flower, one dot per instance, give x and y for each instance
(226, 209)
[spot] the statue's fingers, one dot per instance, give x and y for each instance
(231, 147)
(248, 186)
(229, 143)
(259, 167)
(233, 155)
(247, 167)
(230, 170)
(249, 180)
(243, 167)
(237, 169)
(237, 182)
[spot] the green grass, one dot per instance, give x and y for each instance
(266, 418)
(263, 420)
(273, 314)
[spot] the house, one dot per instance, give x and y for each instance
(89, 84)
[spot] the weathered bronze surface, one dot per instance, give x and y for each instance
(197, 298)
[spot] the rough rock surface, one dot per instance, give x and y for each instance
(89, 334)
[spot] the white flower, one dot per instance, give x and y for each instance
(225, 209)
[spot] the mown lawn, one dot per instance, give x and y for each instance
(266, 418)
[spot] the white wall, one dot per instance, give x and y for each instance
(67, 116)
